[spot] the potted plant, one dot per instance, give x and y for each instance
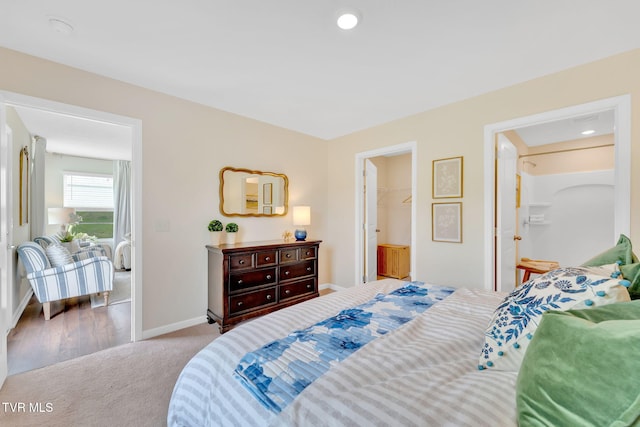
(232, 230)
(67, 239)
(215, 229)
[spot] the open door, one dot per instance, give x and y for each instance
(5, 235)
(506, 227)
(371, 221)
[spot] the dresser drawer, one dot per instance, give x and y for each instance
(249, 279)
(296, 289)
(241, 261)
(267, 258)
(252, 300)
(294, 271)
(288, 255)
(308, 253)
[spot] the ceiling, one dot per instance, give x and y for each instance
(285, 62)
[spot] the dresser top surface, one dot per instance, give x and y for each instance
(265, 244)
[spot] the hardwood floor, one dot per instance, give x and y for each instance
(75, 329)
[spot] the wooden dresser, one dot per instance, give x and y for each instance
(393, 261)
(255, 278)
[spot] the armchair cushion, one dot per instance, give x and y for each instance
(58, 255)
(33, 257)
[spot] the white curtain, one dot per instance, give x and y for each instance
(38, 217)
(121, 200)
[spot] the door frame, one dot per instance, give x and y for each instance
(15, 99)
(410, 147)
(622, 149)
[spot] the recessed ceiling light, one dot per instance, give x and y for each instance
(588, 132)
(60, 25)
(348, 20)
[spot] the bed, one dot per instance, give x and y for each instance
(471, 357)
(430, 362)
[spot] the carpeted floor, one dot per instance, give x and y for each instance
(128, 385)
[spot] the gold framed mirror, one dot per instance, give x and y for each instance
(245, 192)
(24, 186)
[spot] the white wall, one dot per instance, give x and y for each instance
(578, 210)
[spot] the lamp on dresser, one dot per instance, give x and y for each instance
(301, 217)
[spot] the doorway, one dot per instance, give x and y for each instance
(8, 99)
(496, 230)
(400, 195)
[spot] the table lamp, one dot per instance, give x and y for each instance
(301, 217)
(61, 216)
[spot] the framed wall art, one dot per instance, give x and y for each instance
(447, 178)
(446, 222)
(24, 186)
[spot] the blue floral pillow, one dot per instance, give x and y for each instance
(516, 318)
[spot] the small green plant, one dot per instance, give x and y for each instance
(232, 227)
(215, 225)
(66, 237)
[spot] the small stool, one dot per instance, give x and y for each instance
(536, 266)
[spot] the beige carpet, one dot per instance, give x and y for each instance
(129, 385)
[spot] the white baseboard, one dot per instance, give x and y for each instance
(20, 309)
(331, 286)
(150, 333)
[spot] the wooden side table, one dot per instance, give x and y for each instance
(536, 266)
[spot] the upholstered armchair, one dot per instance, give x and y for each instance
(85, 274)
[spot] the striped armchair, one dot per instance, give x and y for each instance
(88, 274)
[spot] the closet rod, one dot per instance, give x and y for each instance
(565, 150)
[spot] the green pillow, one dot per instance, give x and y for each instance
(631, 272)
(581, 369)
(622, 252)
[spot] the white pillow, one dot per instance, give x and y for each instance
(58, 255)
(516, 318)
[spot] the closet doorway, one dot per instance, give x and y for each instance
(385, 209)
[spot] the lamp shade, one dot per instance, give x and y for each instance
(301, 215)
(60, 215)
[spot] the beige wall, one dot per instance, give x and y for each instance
(600, 156)
(184, 145)
(457, 130)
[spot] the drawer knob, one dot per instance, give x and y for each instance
(286, 273)
(288, 291)
(269, 297)
(268, 277)
(267, 258)
(307, 253)
(308, 268)
(308, 286)
(241, 262)
(240, 282)
(288, 255)
(239, 303)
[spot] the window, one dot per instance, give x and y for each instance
(92, 197)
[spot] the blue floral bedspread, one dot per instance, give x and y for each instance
(276, 373)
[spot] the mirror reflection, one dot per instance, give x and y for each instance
(245, 192)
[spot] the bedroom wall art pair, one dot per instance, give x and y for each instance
(447, 183)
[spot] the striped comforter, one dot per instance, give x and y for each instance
(423, 374)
